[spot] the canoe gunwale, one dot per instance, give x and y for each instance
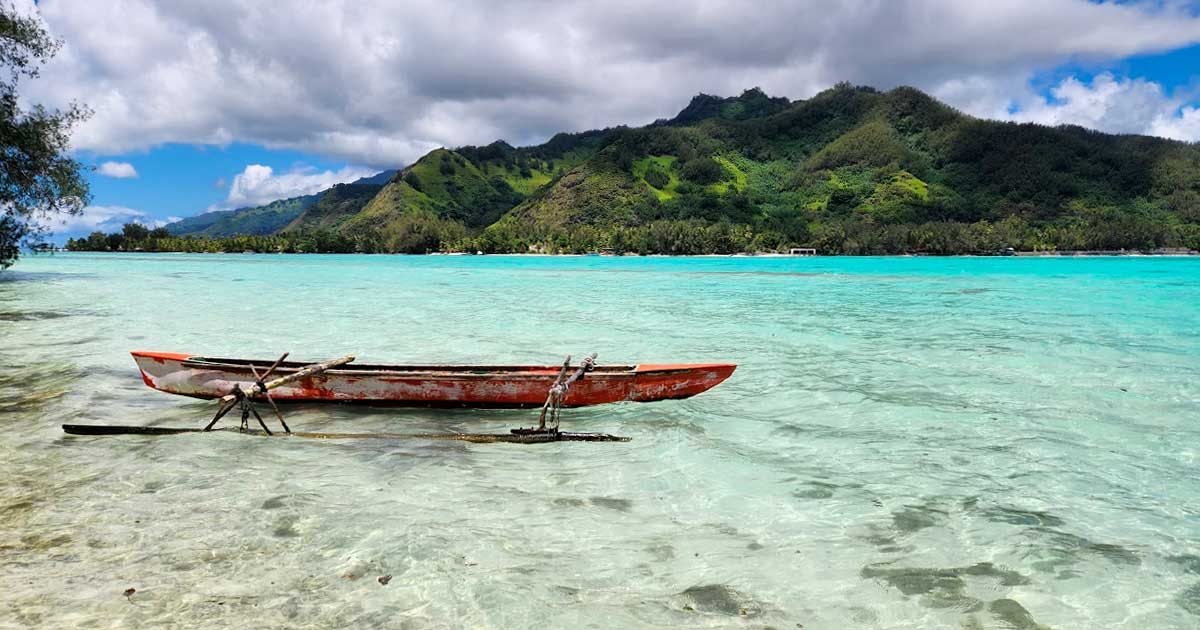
(370, 370)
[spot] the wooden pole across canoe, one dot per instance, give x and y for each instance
(244, 396)
(478, 438)
(316, 368)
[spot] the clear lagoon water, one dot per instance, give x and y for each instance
(907, 443)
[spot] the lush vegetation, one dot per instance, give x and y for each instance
(331, 208)
(322, 210)
(850, 171)
(38, 180)
(414, 234)
(258, 220)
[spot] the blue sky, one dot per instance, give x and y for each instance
(228, 103)
(1173, 69)
(180, 180)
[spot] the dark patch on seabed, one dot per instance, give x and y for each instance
(1056, 551)
(1189, 600)
(1052, 551)
(285, 527)
(947, 589)
(620, 505)
(28, 387)
(1189, 562)
(1062, 550)
(815, 490)
(913, 518)
(31, 316)
(40, 276)
(1014, 615)
(662, 552)
(906, 521)
(719, 599)
(1013, 516)
(69, 342)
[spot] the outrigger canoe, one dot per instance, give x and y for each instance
(481, 386)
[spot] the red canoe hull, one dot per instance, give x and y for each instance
(432, 385)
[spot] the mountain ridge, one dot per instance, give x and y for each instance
(848, 170)
(251, 220)
(259, 220)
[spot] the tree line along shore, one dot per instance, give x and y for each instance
(669, 238)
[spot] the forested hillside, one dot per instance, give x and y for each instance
(851, 170)
(258, 220)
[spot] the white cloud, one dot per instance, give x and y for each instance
(379, 83)
(102, 218)
(258, 184)
(1182, 126)
(1106, 103)
(1112, 104)
(120, 170)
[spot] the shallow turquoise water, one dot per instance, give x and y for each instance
(908, 443)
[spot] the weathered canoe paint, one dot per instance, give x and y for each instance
(432, 385)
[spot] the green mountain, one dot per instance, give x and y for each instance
(331, 208)
(852, 170)
(855, 170)
(753, 103)
(377, 179)
(258, 220)
(447, 195)
(266, 219)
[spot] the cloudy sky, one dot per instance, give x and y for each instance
(212, 104)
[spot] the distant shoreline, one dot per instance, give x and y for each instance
(1106, 253)
(1021, 254)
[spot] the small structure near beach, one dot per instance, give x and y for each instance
(802, 251)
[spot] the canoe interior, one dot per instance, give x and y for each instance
(210, 362)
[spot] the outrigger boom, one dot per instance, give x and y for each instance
(477, 438)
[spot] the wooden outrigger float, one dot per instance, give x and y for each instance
(240, 384)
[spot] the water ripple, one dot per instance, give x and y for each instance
(906, 443)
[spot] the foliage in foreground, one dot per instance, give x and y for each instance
(38, 180)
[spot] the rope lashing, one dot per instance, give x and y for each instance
(560, 388)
